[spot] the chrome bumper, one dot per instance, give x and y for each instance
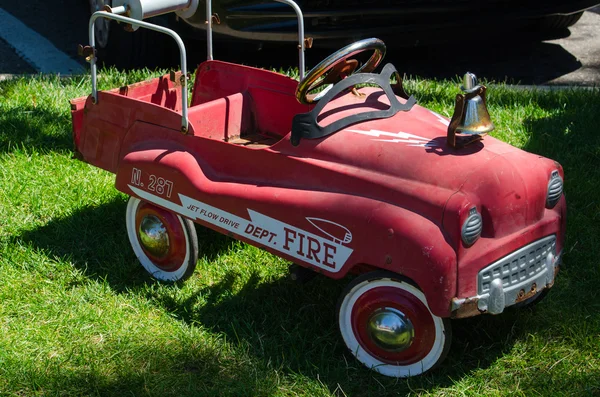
(515, 278)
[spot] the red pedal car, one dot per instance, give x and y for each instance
(439, 221)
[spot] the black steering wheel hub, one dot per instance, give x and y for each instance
(306, 126)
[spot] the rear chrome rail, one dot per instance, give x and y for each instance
(151, 26)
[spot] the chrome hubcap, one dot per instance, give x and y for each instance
(153, 236)
(390, 329)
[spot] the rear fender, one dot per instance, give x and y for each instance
(160, 168)
(153, 157)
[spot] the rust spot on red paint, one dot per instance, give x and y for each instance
(526, 295)
(468, 308)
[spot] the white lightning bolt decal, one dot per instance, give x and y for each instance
(441, 119)
(399, 137)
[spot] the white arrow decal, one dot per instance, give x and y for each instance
(298, 243)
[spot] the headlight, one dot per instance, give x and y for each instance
(471, 229)
(555, 189)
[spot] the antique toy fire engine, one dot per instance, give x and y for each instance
(339, 172)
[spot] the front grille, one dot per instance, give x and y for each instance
(519, 266)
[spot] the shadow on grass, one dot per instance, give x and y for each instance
(570, 136)
(36, 127)
(294, 327)
(281, 323)
(95, 240)
(178, 368)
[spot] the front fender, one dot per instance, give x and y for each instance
(416, 248)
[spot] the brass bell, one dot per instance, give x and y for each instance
(470, 116)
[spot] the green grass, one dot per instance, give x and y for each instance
(79, 316)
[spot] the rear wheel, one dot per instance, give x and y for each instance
(387, 325)
(165, 243)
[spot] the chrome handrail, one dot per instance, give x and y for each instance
(209, 46)
(301, 46)
(157, 28)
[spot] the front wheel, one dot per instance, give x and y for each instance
(165, 243)
(387, 325)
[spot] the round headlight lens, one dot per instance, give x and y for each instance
(555, 189)
(471, 229)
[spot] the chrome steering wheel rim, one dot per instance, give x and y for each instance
(305, 85)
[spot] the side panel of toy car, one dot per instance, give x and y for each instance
(327, 232)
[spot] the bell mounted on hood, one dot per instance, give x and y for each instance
(471, 120)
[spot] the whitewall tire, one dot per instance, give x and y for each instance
(165, 243)
(387, 325)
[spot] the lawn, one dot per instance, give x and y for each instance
(79, 315)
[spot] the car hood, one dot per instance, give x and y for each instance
(406, 160)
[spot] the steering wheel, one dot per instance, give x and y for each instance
(337, 66)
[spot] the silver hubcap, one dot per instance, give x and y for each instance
(153, 236)
(391, 330)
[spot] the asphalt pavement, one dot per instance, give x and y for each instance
(10, 62)
(570, 60)
(584, 45)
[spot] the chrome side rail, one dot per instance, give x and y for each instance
(157, 28)
(209, 43)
